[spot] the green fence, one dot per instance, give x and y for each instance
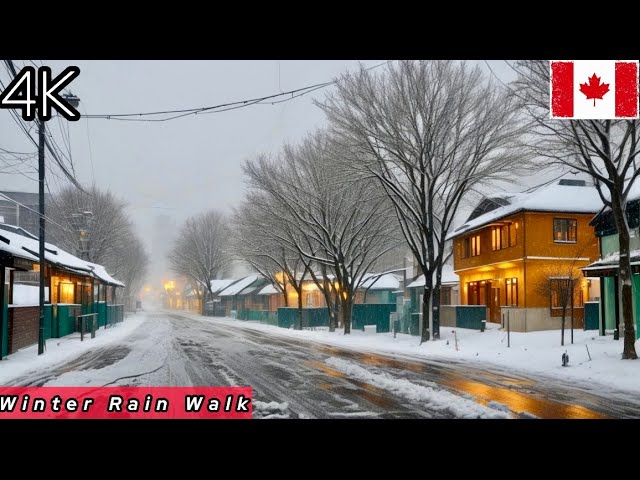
(101, 310)
(591, 315)
(115, 314)
(311, 317)
(470, 316)
(408, 321)
(372, 314)
(4, 348)
(262, 316)
(65, 319)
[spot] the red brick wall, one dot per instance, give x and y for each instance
(23, 327)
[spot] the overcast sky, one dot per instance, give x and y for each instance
(190, 164)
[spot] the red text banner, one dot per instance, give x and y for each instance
(126, 403)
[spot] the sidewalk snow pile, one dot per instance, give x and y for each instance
(533, 352)
(59, 350)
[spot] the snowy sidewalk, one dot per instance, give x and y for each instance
(60, 350)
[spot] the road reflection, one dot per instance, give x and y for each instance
(517, 401)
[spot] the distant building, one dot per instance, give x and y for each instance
(21, 210)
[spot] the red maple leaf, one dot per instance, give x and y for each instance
(594, 89)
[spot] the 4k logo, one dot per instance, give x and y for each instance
(21, 93)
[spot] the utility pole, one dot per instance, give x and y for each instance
(73, 101)
(41, 144)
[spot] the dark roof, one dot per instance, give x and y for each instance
(17, 230)
(488, 204)
(26, 198)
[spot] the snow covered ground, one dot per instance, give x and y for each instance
(534, 353)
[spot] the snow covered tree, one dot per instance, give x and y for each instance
(341, 226)
(606, 150)
(201, 250)
(428, 132)
(109, 239)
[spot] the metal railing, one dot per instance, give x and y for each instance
(89, 320)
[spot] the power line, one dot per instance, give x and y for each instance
(48, 144)
(36, 212)
(179, 113)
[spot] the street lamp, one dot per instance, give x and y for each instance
(73, 101)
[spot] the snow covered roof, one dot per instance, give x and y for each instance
(100, 272)
(220, 284)
(238, 286)
(612, 259)
(552, 198)
(28, 248)
(268, 290)
(388, 281)
(18, 230)
(448, 278)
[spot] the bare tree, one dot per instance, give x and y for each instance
(562, 287)
(109, 239)
(200, 252)
(428, 132)
(343, 227)
(606, 150)
(134, 262)
(256, 220)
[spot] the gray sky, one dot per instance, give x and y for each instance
(187, 165)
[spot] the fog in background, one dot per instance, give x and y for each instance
(168, 171)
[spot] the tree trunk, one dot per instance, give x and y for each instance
(284, 293)
(564, 314)
(347, 305)
(435, 311)
(299, 314)
(629, 351)
(426, 308)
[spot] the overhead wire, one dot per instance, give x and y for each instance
(223, 107)
(50, 143)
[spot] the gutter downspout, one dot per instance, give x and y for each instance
(524, 255)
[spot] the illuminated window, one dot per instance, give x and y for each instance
(66, 292)
(512, 291)
(561, 291)
(503, 236)
(475, 245)
(496, 238)
(565, 230)
(310, 299)
(477, 293)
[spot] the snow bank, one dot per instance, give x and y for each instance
(431, 397)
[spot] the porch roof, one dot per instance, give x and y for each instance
(608, 266)
(268, 290)
(237, 287)
(27, 247)
(448, 278)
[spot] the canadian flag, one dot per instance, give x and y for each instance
(594, 89)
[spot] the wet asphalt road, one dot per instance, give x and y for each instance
(294, 378)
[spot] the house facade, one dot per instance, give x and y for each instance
(72, 287)
(517, 253)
